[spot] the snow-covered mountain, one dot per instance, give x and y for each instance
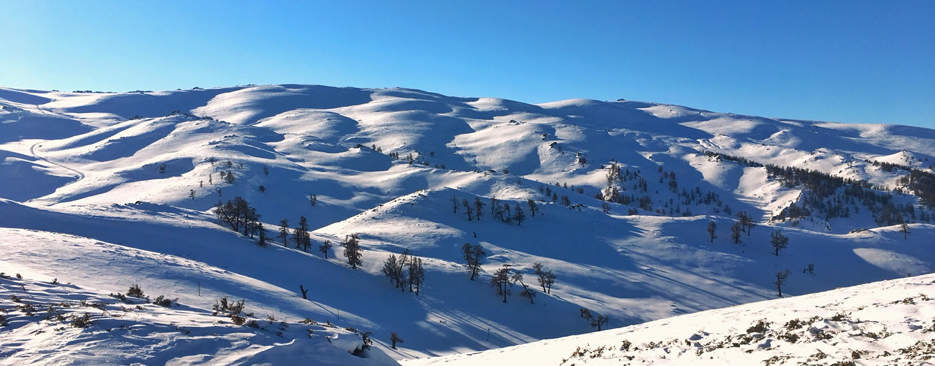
(109, 190)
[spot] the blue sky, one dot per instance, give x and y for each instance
(847, 61)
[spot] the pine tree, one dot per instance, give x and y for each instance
(284, 231)
(301, 236)
(712, 227)
(546, 278)
(352, 250)
(325, 247)
(904, 228)
(416, 274)
(519, 216)
(262, 239)
(735, 230)
(454, 203)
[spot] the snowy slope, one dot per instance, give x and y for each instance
(883, 323)
(139, 173)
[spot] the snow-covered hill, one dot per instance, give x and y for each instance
(883, 323)
(110, 190)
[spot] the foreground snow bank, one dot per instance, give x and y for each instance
(51, 323)
(881, 323)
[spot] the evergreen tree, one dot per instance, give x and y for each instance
(712, 227)
(533, 208)
(262, 239)
(352, 250)
(284, 231)
(325, 247)
(416, 274)
(454, 203)
(904, 228)
(519, 216)
(735, 230)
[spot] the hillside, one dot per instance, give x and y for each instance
(624, 194)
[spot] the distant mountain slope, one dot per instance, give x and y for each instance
(625, 191)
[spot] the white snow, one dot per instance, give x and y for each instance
(84, 198)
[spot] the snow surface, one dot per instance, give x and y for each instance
(83, 200)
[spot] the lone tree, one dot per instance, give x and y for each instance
(780, 279)
(262, 239)
(778, 241)
(735, 233)
(454, 203)
(712, 227)
(904, 228)
(502, 280)
(519, 216)
(395, 338)
(313, 199)
(304, 291)
(416, 274)
(527, 292)
(598, 321)
(546, 278)
(533, 207)
(301, 236)
(473, 254)
(352, 250)
(325, 247)
(284, 231)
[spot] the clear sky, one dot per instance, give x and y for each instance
(847, 61)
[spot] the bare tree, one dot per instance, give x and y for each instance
(533, 208)
(478, 208)
(502, 280)
(546, 278)
(473, 254)
(778, 241)
(454, 203)
(527, 292)
(780, 279)
(468, 210)
(395, 338)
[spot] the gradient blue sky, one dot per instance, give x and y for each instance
(847, 61)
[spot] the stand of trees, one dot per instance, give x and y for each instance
(239, 216)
